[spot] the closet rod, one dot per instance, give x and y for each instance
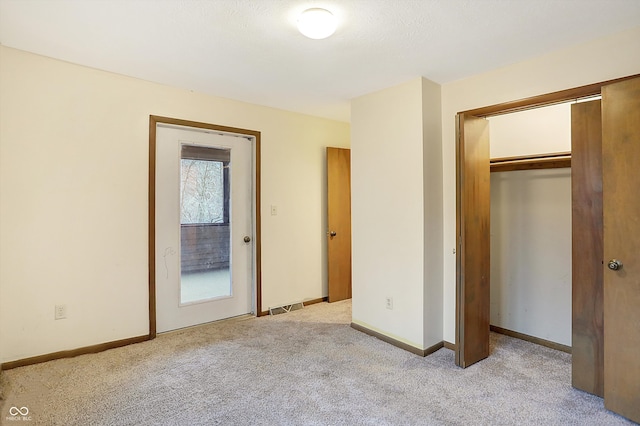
(554, 160)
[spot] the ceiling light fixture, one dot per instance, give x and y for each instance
(317, 23)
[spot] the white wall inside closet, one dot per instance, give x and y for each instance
(531, 227)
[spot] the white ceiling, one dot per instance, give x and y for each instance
(250, 50)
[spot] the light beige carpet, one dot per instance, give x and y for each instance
(306, 367)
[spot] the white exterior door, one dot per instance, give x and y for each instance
(204, 242)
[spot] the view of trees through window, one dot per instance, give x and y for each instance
(201, 191)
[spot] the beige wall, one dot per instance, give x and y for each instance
(531, 253)
(73, 207)
(603, 59)
(396, 212)
(535, 131)
(432, 213)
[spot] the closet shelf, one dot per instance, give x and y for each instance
(556, 160)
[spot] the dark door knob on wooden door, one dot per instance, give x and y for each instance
(614, 265)
(332, 234)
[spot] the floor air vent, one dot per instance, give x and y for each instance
(286, 308)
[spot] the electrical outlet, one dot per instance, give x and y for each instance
(389, 301)
(274, 210)
(60, 312)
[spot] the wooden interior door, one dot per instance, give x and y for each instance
(587, 361)
(621, 186)
(339, 223)
(472, 228)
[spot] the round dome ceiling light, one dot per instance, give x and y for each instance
(317, 23)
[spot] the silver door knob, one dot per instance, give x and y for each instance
(332, 233)
(247, 239)
(614, 265)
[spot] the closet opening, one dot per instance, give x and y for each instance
(605, 147)
(530, 225)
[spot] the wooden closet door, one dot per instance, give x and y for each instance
(621, 186)
(472, 223)
(587, 362)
